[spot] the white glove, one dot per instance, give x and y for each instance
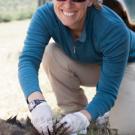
(41, 118)
(75, 122)
(103, 119)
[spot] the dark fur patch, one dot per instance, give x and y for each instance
(12, 126)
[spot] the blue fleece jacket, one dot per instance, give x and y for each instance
(105, 40)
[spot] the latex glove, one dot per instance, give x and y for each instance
(75, 122)
(103, 119)
(41, 118)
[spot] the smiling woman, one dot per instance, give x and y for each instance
(72, 13)
(89, 50)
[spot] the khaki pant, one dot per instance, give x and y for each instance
(66, 76)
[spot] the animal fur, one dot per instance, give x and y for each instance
(12, 126)
(121, 10)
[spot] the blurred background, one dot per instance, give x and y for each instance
(15, 16)
(20, 10)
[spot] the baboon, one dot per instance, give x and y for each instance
(121, 10)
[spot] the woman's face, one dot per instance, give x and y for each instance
(71, 14)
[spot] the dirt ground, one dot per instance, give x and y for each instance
(12, 101)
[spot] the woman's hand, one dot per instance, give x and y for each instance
(41, 118)
(75, 122)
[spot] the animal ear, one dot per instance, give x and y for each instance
(14, 121)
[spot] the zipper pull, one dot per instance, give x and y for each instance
(74, 48)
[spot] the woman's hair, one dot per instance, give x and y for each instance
(119, 8)
(98, 3)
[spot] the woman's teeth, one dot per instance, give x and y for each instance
(68, 14)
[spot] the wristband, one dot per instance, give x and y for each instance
(34, 103)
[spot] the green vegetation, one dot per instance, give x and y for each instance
(103, 129)
(16, 9)
(19, 10)
(6, 17)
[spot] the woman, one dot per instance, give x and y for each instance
(93, 47)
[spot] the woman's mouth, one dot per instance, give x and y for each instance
(68, 14)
